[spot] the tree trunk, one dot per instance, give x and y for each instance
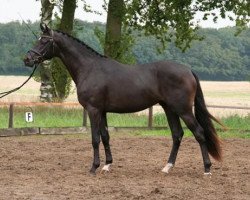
(68, 13)
(114, 28)
(62, 79)
(47, 87)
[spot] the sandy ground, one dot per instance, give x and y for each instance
(216, 93)
(56, 167)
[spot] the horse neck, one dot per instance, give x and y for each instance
(75, 56)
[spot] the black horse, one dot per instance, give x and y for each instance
(105, 85)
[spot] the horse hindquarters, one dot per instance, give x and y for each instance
(202, 127)
(179, 98)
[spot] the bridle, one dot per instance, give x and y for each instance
(40, 56)
(36, 61)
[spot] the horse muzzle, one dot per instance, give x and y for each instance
(30, 62)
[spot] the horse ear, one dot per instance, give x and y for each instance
(44, 28)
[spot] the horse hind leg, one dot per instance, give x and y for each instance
(177, 134)
(198, 132)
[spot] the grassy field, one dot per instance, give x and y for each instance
(65, 117)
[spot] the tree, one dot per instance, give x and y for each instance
(116, 12)
(172, 20)
(68, 13)
(61, 77)
(55, 80)
(47, 87)
(116, 43)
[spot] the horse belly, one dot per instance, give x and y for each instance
(134, 100)
(128, 108)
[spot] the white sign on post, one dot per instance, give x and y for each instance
(29, 117)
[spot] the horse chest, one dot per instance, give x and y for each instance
(90, 95)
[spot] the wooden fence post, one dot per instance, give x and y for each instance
(85, 116)
(150, 117)
(11, 115)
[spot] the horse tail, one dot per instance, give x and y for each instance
(204, 119)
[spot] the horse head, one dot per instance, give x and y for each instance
(44, 48)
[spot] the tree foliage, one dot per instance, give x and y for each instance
(15, 40)
(174, 20)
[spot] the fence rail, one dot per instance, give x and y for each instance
(229, 107)
(40, 104)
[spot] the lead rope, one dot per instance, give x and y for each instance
(3, 94)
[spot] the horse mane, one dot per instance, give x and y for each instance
(82, 43)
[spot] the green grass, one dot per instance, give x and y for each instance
(65, 117)
(43, 117)
(236, 122)
(127, 120)
(187, 133)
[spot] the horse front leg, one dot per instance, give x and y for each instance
(105, 140)
(95, 121)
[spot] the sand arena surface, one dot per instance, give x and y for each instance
(56, 167)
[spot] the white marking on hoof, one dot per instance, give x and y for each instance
(106, 168)
(207, 174)
(167, 168)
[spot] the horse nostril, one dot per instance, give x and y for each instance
(26, 59)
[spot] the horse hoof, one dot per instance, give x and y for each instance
(106, 168)
(92, 171)
(167, 168)
(209, 174)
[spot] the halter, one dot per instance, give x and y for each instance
(40, 57)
